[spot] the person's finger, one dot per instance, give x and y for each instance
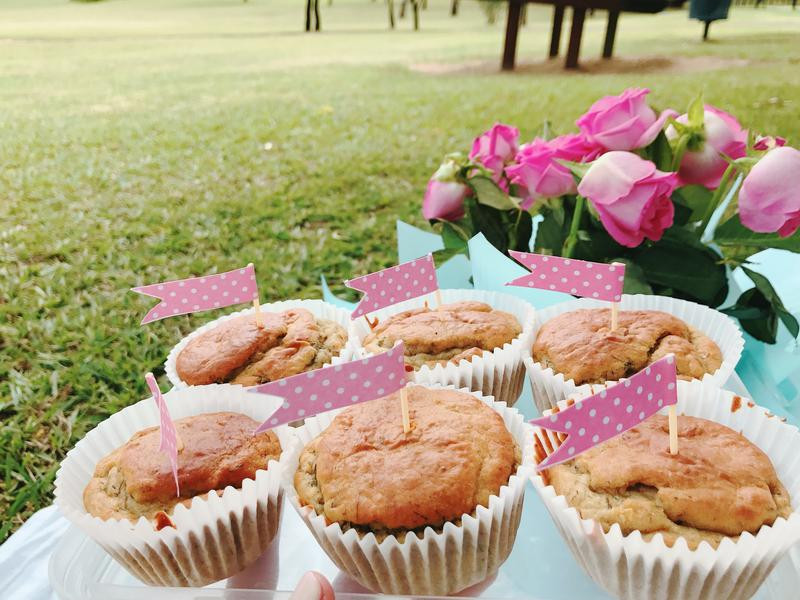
(327, 588)
(313, 586)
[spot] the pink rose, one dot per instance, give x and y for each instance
(444, 200)
(631, 196)
(770, 196)
(724, 135)
(623, 122)
(495, 148)
(537, 173)
(575, 147)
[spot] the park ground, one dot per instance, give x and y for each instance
(145, 140)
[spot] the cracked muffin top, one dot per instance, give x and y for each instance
(448, 333)
(240, 351)
(364, 472)
(219, 450)
(719, 484)
(581, 345)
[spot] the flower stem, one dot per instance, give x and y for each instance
(719, 194)
(572, 238)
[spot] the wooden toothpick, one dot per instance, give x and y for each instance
(614, 315)
(673, 430)
(438, 297)
(404, 409)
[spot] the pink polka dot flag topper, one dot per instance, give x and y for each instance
(395, 284)
(196, 294)
(169, 437)
(613, 411)
(335, 386)
(571, 276)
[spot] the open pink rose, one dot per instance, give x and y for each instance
(496, 148)
(575, 147)
(631, 196)
(623, 122)
(538, 174)
(770, 196)
(724, 135)
(444, 200)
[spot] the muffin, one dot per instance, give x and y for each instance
(718, 485)
(240, 351)
(219, 450)
(709, 522)
(448, 333)
(443, 500)
(118, 488)
(581, 345)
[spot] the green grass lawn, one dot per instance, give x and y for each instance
(143, 140)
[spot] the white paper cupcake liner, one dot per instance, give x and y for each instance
(550, 387)
(319, 308)
(437, 563)
(498, 373)
(632, 568)
(216, 536)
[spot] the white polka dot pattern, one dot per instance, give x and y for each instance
(612, 411)
(197, 294)
(169, 437)
(571, 276)
(395, 284)
(336, 386)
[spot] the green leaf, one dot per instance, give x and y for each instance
(488, 194)
(733, 233)
(522, 232)
(488, 221)
(661, 152)
(765, 287)
(552, 231)
(696, 112)
(763, 324)
(683, 264)
(694, 197)
(635, 281)
(578, 169)
(451, 237)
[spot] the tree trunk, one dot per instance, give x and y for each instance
(390, 5)
(454, 8)
(415, 6)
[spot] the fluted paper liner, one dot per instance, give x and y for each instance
(215, 537)
(438, 563)
(319, 308)
(635, 569)
(550, 387)
(498, 373)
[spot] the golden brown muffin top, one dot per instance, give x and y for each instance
(448, 332)
(719, 484)
(364, 471)
(219, 450)
(581, 345)
(240, 351)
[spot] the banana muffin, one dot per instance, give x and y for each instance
(580, 345)
(365, 473)
(448, 333)
(718, 485)
(241, 351)
(219, 450)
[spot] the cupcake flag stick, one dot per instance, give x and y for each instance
(335, 386)
(600, 417)
(389, 286)
(170, 442)
(573, 276)
(195, 294)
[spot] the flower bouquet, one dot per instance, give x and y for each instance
(681, 199)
